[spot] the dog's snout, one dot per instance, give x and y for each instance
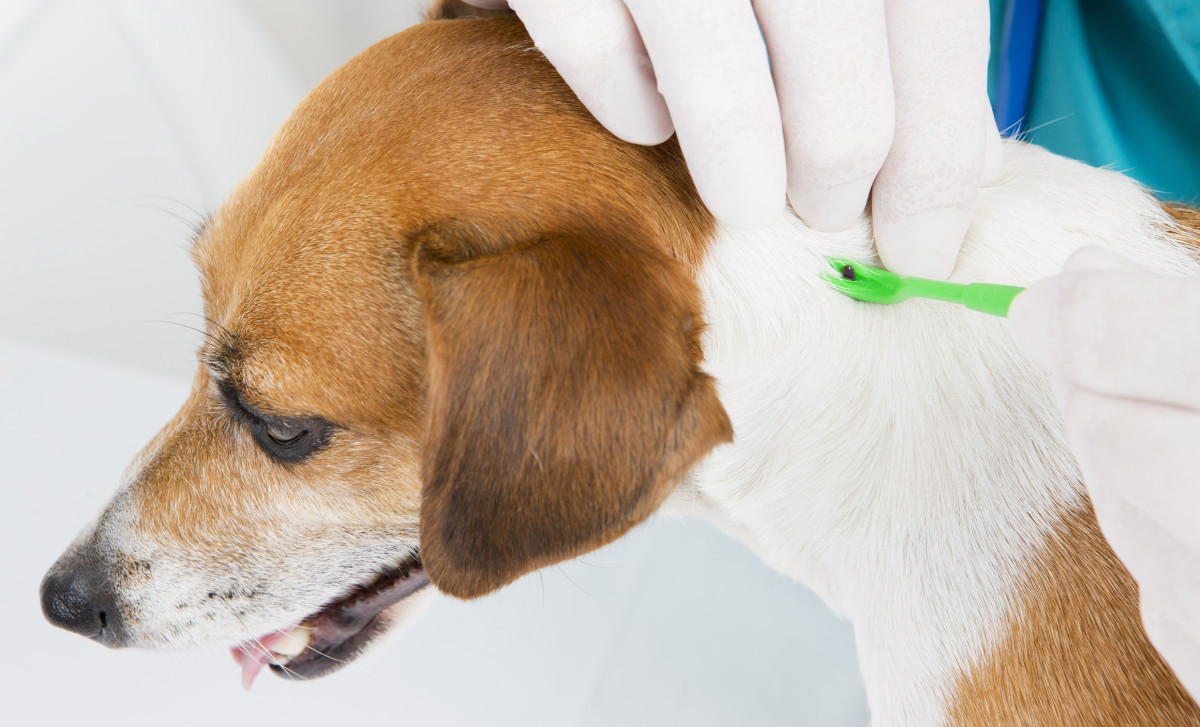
(77, 599)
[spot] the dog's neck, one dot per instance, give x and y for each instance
(907, 462)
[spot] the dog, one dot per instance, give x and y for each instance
(457, 332)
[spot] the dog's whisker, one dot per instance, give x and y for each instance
(256, 644)
(537, 459)
(176, 215)
(197, 224)
(321, 653)
(581, 561)
(201, 331)
(309, 647)
(252, 640)
(572, 582)
(211, 320)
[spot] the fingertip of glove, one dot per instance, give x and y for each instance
(924, 245)
(1094, 257)
(993, 156)
(633, 111)
(748, 195)
(1034, 323)
(746, 216)
(734, 208)
(831, 210)
(645, 130)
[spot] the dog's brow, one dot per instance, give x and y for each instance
(222, 353)
(233, 397)
(199, 228)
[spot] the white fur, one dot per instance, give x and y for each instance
(236, 587)
(904, 461)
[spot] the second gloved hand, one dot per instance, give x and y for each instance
(1124, 347)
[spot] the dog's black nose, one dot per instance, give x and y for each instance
(72, 600)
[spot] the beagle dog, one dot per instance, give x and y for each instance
(457, 332)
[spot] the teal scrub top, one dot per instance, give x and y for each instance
(1116, 83)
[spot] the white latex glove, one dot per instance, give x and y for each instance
(1124, 346)
(890, 93)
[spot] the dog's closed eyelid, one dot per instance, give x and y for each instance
(234, 400)
(283, 433)
(285, 439)
(288, 441)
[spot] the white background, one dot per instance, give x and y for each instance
(121, 122)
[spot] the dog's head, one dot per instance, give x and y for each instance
(452, 337)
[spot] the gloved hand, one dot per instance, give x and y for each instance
(890, 93)
(1124, 346)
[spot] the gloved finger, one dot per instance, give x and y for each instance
(1115, 332)
(1094, 257)
(1178, 592)
(596, 48)
(833, 78)
(1178, 644)
(1168, 578)
(711, 63)
(1139, 462)
(925, 191)
(1166, 570)
(993, 147)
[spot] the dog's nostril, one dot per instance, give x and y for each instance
(70, 602)
(66, 605)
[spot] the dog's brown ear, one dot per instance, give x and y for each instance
(565, 400)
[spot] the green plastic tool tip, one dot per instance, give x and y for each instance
(875, 285)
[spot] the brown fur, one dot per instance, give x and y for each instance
(565, 399)
(471, 279)
(1075, 653)
(490, 296)
(1187, 225)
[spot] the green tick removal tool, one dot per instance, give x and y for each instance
(874, 285)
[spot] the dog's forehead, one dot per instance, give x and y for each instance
(460, 120)
(444, 120)
(309, 314)
(419, 129)
(310, 259)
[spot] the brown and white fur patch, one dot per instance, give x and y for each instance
(510, 337)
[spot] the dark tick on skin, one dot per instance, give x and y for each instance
(848, 272)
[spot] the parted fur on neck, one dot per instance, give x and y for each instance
(909, 464)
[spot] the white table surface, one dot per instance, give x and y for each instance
(673, 625)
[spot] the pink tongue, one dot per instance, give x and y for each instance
(254, 655)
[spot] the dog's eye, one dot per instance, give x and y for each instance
(287, 439)
(292, 440)
(283, 434)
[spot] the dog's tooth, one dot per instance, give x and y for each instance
(291, 645)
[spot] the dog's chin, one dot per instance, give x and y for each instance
(339, 632)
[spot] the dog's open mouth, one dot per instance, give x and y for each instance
(330, 638)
